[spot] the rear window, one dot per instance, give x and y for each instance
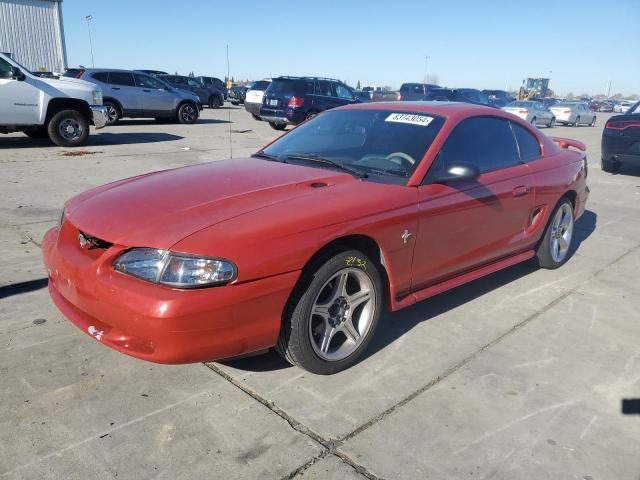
(295, 87)
(260, 85)
(121, 78)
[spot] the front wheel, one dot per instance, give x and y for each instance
(68, 128)
(554, 247)
(332, 313)
(278, 126)
(214, 102)
(113, 113)
(187, 113)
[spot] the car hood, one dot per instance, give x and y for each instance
(66, 82)
(159, 209)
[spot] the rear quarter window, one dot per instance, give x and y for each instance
(527, 143)
(121, 78)
(101, 77)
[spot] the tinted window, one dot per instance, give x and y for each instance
(101, 76)
(260, 85)
(145, 81)
(364, 139)
(527, 143)
(5, 69)
(323, 87)
(193, 83)
(290, 86)
(176, 80)
(343, 92)
(486, 142)
(121, 78)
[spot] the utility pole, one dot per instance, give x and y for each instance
(426, 59)
(609, 89)
(88, 18)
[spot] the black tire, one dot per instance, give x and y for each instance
(187, 113)
(278, 126)
(37, 132)
(256, 117)
(577, 122)
(544, 257)
(235, 104)
(114, 114)
(214, 102)
(295, 341)
(609, 165)
(68, 128)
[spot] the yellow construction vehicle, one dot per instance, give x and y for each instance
(534, 88)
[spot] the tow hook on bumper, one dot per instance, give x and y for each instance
(99, 116)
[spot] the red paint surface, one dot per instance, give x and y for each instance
(267, 219)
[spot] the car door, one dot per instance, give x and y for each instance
(123, 88)
(199, 89)
(19, 99)
(325, 95)
(156, 98)
(465, 225)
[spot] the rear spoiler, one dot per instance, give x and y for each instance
(568, 142)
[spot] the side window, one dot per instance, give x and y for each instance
(418, 89)
(323, 87)
(145, 81)
(527, 143)
(486, 142)
(101, 76)
(5, 69)
(121, 78)
(343, 92)
(193, 83)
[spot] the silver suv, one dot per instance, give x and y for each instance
(129, 93)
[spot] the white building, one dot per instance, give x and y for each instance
(31, 32)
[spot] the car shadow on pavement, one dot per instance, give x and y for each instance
(96, 140)
(23, 287)
(393, 325)
(628, 169)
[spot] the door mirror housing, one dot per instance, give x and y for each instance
(17, 74)
(458, 172)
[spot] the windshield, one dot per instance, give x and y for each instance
(385, 145)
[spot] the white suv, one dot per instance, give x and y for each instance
(61, 109)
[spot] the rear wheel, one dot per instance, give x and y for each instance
(187, 113)
(68, 128)
(277, 126)
(608, 165)
(214, 102)
(554, 247)
(332, 313)
(113, 113)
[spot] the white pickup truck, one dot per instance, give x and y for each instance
(61, 109)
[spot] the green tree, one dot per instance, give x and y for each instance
(358, 85)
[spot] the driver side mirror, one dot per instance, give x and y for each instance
(17, 74)
(458, 172)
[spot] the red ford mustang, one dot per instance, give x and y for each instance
(302, 245)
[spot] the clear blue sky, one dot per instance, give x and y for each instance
(482, 44)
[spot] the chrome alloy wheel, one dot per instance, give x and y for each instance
(112, 114)
(70, 129)
(188, 113)
(342, 314)
(561, 232)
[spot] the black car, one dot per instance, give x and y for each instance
(498, 98)
(467, 95)
(208, 95)
(213, 82)
(237, 94)
(410, 92)
(291, 100)
(621, 140)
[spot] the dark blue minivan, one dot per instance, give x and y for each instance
(291, 100)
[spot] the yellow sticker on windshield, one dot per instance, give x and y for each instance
(410, 118)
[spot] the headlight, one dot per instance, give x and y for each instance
(97, 97)
(175, 269)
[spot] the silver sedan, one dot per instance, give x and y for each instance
(574, 113)
(531, 111)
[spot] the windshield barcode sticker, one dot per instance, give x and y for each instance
(410, 118)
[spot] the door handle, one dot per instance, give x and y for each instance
(115, 88)
(520, 191)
